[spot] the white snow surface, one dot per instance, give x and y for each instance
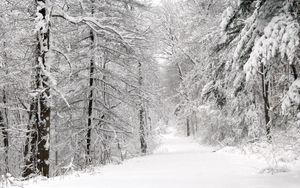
(178, 162)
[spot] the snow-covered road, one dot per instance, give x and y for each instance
(178, 163)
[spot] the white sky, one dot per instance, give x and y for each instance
(156, 2)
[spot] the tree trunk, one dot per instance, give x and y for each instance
(106, 152)
(90, 106)
(29, 149)
(142, 113)
(265, 93)
(39, 130)
(294, 71)
(91, 93)
(188, 129)
(142, 131)
(3, 129)
(4, 118)
(104, 78)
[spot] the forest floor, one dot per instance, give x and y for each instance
(177, 163)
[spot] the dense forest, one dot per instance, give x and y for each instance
(85, 83)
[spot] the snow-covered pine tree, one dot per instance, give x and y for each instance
(266, 53)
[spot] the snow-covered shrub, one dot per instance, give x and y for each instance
(215, 128)
(292, 98)
(8, 181)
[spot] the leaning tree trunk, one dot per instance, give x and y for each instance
(37, 149)
(91, 91)
(142, 113)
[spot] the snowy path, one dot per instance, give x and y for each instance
(178, 163)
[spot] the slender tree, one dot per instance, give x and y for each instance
(93, 38)
(4, 116)
(4, 132)
(142, 112)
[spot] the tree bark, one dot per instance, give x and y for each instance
(4, 118)
(91, 93)
(142, 113)
(90, 106)
(39, 129)
(188, 129)
(294, 70)
(142, 131)
(265, 94)
(3, 129)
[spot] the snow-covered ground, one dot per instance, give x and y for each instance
(178, 163)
